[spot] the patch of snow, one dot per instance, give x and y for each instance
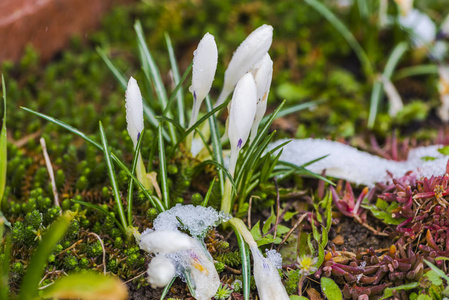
(346, 162)
(275, 258)
(196, 219)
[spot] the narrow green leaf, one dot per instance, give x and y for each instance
(346, 34)
(330, 289)
(87, 285)
(115, 71)
(216, 146)
(170, 120)
(149, 62)
(100, 209)
(209, 192)
(416, 71)
(303, 171)
(131, 180)
(111, 171)
(35, 270)
(437, 270)
(377, 92)
(176, 91)
(163, 169)
(246, 265)
(4, 270)
(3, 148)
(198, 123)
(294, 108)
(167, 288)
(154, 201)
(220, 167)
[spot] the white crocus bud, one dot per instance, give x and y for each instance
(405, 6)
(263, 74)
(160, 271)
(422, 28)
(165, 241)
(203, 71)
(134, 118)
(268, 282)
(443, 89)
(393, 96)
(242, 111)
(250, 51)
(134, 110)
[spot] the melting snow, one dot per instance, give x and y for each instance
(360, 167)
(275, 258)
(196, 219)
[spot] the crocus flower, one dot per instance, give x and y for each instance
(263, 74)
(203, 71)
(134, 119)
(242, 111)
(268, 281)
(134, 110)
(444, 28)
(250, 51)
(175, 250)
(443, 89)
(422, 28)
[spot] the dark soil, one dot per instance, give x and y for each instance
(358, 238)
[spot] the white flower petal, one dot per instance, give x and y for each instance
(250, 51)
(134, 110)
(203, 71)
(203, 273)
(242, 111)
(422, 28)
(268, 282)
(262, 75)
(160, 271)
(162, 241)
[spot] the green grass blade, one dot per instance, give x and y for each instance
(176, 124)
(219, 167)
(35, 270)
(117, 74)
(163, 169)
(167, 288)
(3, 148)
(147, 110)
(154, 201)
(178, 82)
(176, 91)
(101, 209)
(4, 270)
(149, 62)
(377, 92)
(131, 181)
(303, 171)
(295, 108)
(216, 145)
(346, 34)
(209, 192)
(203, 139)
(199, 122)
(246, 264)
(111, 171)
(416, 71)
